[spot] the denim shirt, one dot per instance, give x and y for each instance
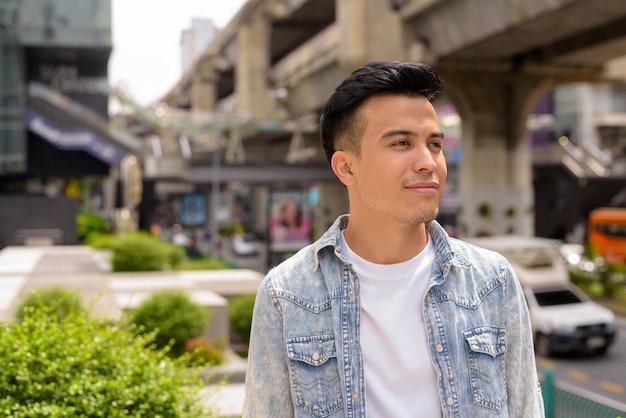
(305, 356)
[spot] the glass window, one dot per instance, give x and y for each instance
(556, 297)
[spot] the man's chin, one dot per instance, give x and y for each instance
(423, 217)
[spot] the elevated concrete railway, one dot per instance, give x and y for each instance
(279, 60)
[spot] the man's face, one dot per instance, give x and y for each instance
(401, 170)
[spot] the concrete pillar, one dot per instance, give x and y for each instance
(203, 86)
(495, 181)
(369, 31)
(252, 66)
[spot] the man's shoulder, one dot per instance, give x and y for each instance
(297, 269)
(478, 257)
(463, 246)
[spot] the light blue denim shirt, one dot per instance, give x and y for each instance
(305, 355)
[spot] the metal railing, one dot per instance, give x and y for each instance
(566, 402)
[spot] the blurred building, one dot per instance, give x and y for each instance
(242, 121)
(193, 41)
(578, 132)
(58, 155)
(594, 114)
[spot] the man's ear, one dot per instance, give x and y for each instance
(341, 163)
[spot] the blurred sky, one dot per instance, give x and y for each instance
(146, 58)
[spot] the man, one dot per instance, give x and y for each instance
(386, 316)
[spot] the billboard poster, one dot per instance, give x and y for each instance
(290, 220)
(193, 210)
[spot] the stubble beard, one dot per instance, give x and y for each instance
(424, 215)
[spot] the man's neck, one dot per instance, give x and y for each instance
(385, 243)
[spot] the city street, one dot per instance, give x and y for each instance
(257, 262)
(214, 131)
(603, 376)
(24, 269)
(599, 377)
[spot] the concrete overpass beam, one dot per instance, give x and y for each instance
(495, 181)
(369, 30)
(253, 63)
(203, 86)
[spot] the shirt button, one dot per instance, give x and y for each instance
(350, 293)
(355, 396)
(429, 299)
(316, 356)
(449, 401)
(439, 348)
(351, 342)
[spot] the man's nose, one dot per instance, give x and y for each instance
(424, 159)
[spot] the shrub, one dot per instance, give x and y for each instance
(205, 263)
(240, 313)
(78, 366)
(230, 229)
(101, 241)
(174, 316)
(175, 254)
(89, 223)
(204, 352)
(56, 300)
(138, 251)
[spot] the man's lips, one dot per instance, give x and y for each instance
(423, 185)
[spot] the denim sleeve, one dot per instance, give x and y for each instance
(523, 388)
(267, 388)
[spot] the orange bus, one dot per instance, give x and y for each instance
(606, 233)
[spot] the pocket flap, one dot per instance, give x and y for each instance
(314, 350)
(488, 340)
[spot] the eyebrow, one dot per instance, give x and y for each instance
(404, 132)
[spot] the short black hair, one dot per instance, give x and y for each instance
(339, 117)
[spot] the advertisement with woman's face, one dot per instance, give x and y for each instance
(290, 220)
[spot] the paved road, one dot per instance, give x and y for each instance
(602, 376)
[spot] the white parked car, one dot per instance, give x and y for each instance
(567, 320)
(246, 244)
(564, 319)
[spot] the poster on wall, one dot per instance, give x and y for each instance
(193, 210)
(290, 220)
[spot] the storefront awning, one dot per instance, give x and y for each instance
(68, 125)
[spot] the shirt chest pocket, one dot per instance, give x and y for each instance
(485, 354)
(315, 382)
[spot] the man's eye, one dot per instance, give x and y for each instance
(438, 145)
(401, 143)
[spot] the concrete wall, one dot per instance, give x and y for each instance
(37, 219)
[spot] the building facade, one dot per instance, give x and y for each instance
(58, 154)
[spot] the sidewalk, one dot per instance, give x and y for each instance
(227, 399)
(24, 269)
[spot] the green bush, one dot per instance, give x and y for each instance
(139, 251)
(205, 352)
(89, 223)
(56, 300)
(100, 241)
(174, 316)
(230, 229)
(175, 254)
(240, 313)
(80, 367)
(205, 263)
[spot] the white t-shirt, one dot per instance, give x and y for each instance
(400, 378)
